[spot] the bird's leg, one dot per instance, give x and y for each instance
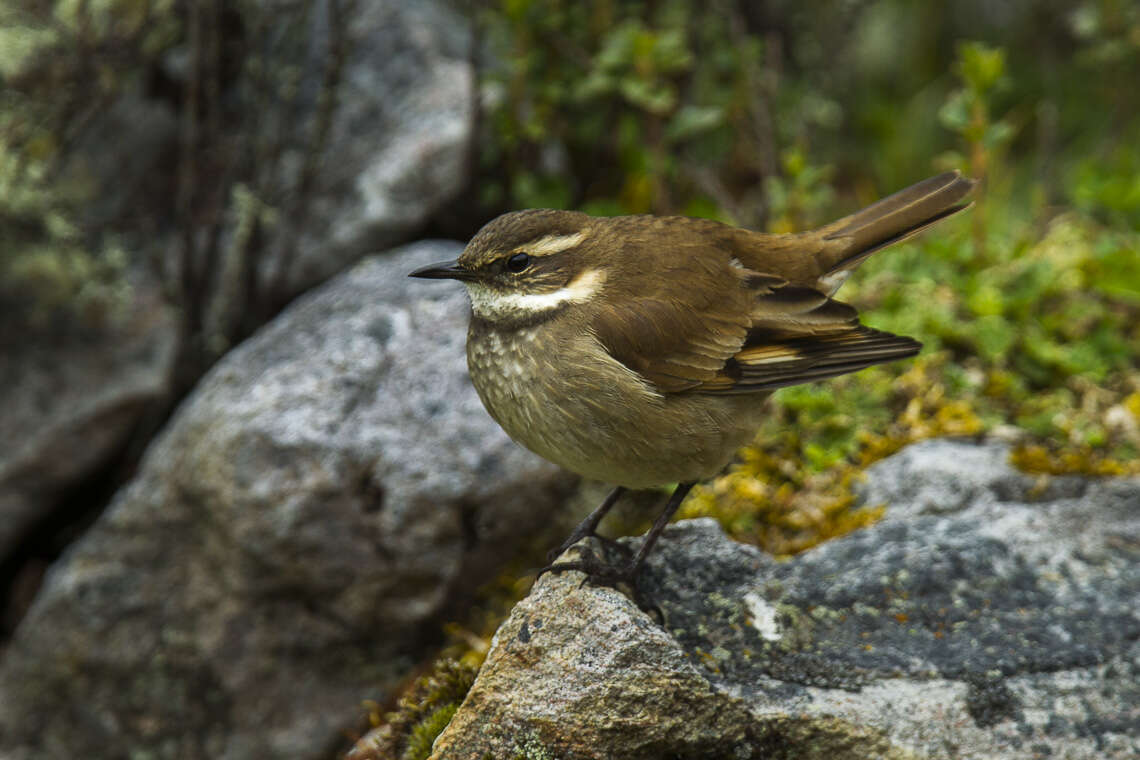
(679, 494)
(587, 526)
(600, 573)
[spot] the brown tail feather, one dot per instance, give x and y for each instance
(892, 219)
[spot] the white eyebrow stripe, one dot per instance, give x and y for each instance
(491, 304)
(551, 244)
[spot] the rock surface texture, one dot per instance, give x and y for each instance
(307, 516)
(393, 143)
(67, 407)
(987, 616)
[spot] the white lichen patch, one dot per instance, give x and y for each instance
(763, 616)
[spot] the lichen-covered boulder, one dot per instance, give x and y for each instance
(291, 544)
(988, 615)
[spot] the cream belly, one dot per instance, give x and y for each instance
(595, 417)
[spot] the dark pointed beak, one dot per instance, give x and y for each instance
(443, 270)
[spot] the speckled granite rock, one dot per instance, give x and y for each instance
(986, 616)
(290, 543)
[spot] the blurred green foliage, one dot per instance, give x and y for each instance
(59, 270)
(620, 107)
(737, 109)
(49, 274)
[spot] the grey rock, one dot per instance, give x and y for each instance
(68, 405)
(331, 487)
(341, 136)
(1005, 624)
(954, 477)
(398, 139)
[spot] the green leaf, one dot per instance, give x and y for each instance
(986, 300)
(955, 112)
(617, 51)
(671, 53)
(980, 66)
(655, 97)
(692, 120)
(994, 336)
(997, 134)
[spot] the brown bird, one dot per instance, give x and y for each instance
(639, 350)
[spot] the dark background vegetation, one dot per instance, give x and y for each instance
(749, 111)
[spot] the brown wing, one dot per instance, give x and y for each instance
(708, 321)
(760, 334)
(777, 363)
(685, 324)
(800, 335)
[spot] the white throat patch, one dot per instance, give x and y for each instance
(494, 305)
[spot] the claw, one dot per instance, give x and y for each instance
(598, 572)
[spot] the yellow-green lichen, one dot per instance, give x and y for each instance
(531, 748)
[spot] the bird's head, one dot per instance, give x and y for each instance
(527, 265)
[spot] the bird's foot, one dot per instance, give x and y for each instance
(599, 571)
(610, 545)
(588, 527)
(622, 577)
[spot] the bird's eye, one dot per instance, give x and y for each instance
(518, 262)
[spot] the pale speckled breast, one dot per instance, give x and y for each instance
(561, 395)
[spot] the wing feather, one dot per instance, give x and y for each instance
(706, 323)
(782, 362)
(680, 328)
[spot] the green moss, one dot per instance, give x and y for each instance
(422, 713)
(57, 270)
(50, 272)
(424, 733)
(1036, 459)
(19, 44)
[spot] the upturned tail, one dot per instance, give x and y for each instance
(850, 240)
(799, 333)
